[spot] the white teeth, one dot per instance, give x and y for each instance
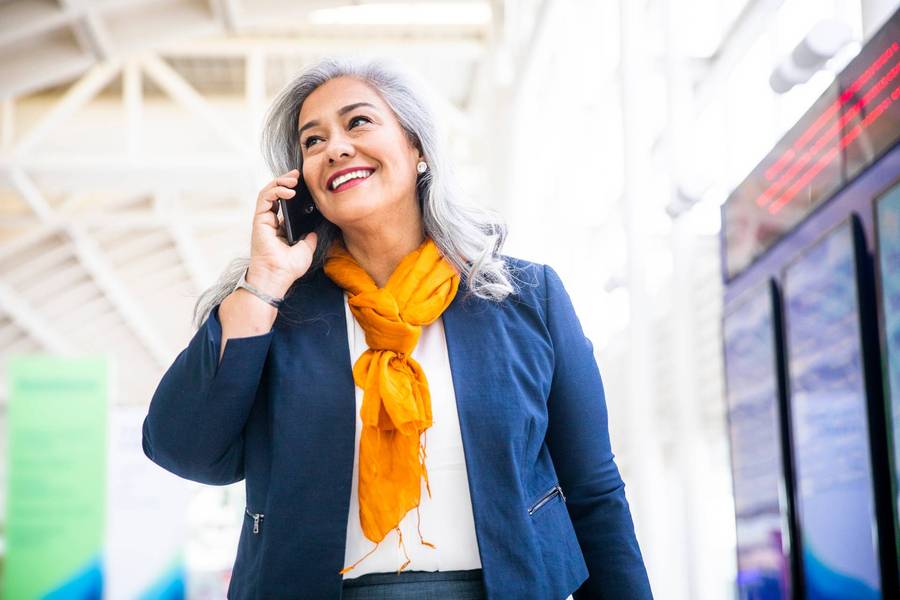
(348, 176)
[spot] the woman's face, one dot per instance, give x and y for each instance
(344, 124)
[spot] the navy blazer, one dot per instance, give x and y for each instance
(551, 518)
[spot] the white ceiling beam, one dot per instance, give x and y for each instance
(119, 163)
(52, 257)
(183, 93)
(31, 237)
(461, 45)
(91, 32)
(72, 202)
(7, 123)
(198, 270)
(32, 196)
(133, 98)
(227, 12)
(255, 97)
(77, 96)
(92, 260)
(191, 172)
(34, 324)
(27, 20)
(52, 64)
(191, 256)
(98, 38)
(137, 219)
(137, 320)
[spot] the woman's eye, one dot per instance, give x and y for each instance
(353, 120)
(312, 138)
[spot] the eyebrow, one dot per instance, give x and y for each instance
(341, 112)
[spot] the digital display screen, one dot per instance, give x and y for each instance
(849, 127)
(888, 234)
(756, 457)
(829, 422)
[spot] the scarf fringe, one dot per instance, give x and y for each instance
(353, 566)
(423, 454)
(399, 543)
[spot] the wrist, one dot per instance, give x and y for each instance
(265, 280)
(273, 301)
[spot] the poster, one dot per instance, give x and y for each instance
(56, 477)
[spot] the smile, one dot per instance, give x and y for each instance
(349, 180)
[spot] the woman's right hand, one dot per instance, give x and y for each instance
(274, 264)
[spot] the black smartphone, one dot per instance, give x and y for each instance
(299, 212)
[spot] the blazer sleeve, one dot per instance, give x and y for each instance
(194, 426)
(578, 439)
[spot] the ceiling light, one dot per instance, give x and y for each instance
(404, 13)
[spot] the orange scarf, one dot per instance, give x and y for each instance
(396, 406)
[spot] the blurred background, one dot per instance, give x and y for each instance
(609, 134)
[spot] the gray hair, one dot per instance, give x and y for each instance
(470, 237)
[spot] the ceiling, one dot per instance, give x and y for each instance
(129, 160)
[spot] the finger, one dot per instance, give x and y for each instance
(311, 240)
(285, 181)
(269, 196)
(279, 191)
(289, 179)
(267, 218)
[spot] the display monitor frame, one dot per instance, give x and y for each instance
(862, 298)
(891, 433)
(790, 549)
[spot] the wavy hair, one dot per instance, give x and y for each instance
(469, 236)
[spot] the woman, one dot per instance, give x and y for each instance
(321, 376)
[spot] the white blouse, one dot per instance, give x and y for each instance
(446, 517)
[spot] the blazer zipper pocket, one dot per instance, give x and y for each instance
(257, 518)
(547, 498)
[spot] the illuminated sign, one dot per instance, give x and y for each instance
(848, 128)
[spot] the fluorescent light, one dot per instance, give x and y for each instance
(404, 13)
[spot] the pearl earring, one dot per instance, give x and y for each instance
(422, 166)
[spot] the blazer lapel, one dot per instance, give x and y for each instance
(468, 322)
(493, 420)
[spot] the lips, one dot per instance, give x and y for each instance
(345, 171)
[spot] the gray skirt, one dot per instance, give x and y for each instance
(418, 585)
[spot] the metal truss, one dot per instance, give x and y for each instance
(88, 209)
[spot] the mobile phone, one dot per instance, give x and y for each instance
(299, 213)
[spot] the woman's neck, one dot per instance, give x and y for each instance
(379, 254)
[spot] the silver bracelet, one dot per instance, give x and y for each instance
(276, 302)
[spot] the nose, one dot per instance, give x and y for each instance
(338, 148)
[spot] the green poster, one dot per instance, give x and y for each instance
(57, 467)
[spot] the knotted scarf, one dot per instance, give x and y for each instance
(396, 406)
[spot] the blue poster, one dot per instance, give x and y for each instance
(889, 267)
(829, 423)
(756, 456)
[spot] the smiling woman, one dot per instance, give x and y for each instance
(469, 236)
(328, 416)
(360, 166)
